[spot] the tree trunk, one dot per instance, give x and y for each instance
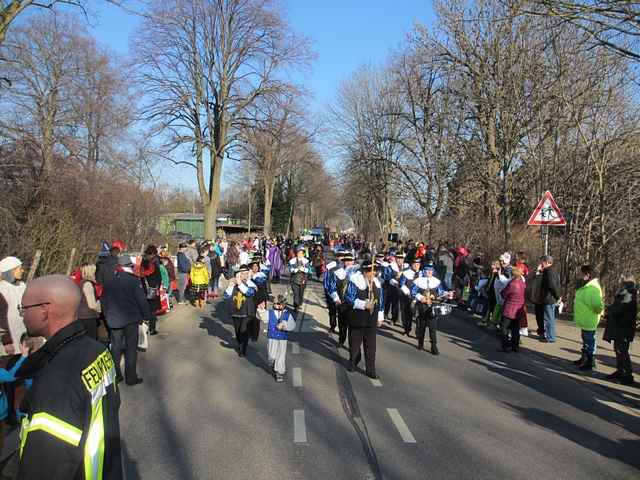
(269, 185)
(211, 207)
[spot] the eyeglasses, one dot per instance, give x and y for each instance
(23, 308)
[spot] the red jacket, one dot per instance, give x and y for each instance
(514, 298)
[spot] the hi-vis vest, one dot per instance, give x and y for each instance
(71, 426)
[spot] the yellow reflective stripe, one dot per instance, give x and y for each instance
(24, 431)
(94, 446)
(53, 426)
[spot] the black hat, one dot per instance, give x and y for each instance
(379, 255)
(243, 268)
(400, 255)
(340, 253)
(368, 265)
(347, 257)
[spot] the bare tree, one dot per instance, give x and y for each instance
(204, 64)
(614, 24)
(10, 10)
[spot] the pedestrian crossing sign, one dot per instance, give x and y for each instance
(547, 212)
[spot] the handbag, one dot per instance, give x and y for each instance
(152, 292)
(164, 303)
(143, 339)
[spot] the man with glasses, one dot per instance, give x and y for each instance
(71, 429)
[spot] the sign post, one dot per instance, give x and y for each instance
(547, 214)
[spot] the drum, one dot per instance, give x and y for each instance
(441, 310)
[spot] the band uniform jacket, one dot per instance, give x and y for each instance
(358, 293)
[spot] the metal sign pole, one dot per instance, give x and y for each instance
(546, 239)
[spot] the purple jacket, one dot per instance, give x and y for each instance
(514, 298)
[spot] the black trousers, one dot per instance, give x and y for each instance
(391, 303)
(125, 339)
(623, 360)
(154, 304)
(427, 319)
(539, 311)
(333, 312)
(343, 324)
(510, 325)
(298, 294)
(366, 337)
(407, 314)
(241, 326)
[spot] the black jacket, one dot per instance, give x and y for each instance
(550, 287)
(73, 402)
(622, 314)
(124, 301)
(105, 268)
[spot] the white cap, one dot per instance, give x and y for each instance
(506, 258)
(9, 263)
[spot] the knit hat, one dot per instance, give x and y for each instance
(505, 258)
(9, 263)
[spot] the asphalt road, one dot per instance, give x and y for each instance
(470, 413)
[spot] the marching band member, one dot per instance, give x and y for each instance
(239, 293)
(425, 290)
(299, 267)
(366, 299)
(260, 278)
(329, 283)
(343, 275)
(409, 275)
(391, 277)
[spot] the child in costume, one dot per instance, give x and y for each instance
(280, 321)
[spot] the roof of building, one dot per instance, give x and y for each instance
(193, 216)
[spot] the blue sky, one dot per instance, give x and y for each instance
(345, 34)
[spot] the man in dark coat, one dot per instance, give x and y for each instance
(621, 328)
(125, 307)
(549, 294)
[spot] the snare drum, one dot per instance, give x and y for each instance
(441, 310)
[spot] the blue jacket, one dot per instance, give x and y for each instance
(5, 377)
(272, 330)
(357, 285)
(184, 264)
(329, 281)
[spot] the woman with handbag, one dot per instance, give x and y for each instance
(151, 282)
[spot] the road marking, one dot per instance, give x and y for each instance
(297, 377)
(299, 427)
(376, 382)
(295, 348)
(403, 430)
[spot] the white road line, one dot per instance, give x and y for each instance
(297, 377)
(375, 382)
(299, 427)
(295, 348)
(403, 430)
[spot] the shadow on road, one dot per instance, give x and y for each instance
(548, 378)
(624, 450)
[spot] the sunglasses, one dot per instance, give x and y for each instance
(23, 308)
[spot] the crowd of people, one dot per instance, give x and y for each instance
(65, 337)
